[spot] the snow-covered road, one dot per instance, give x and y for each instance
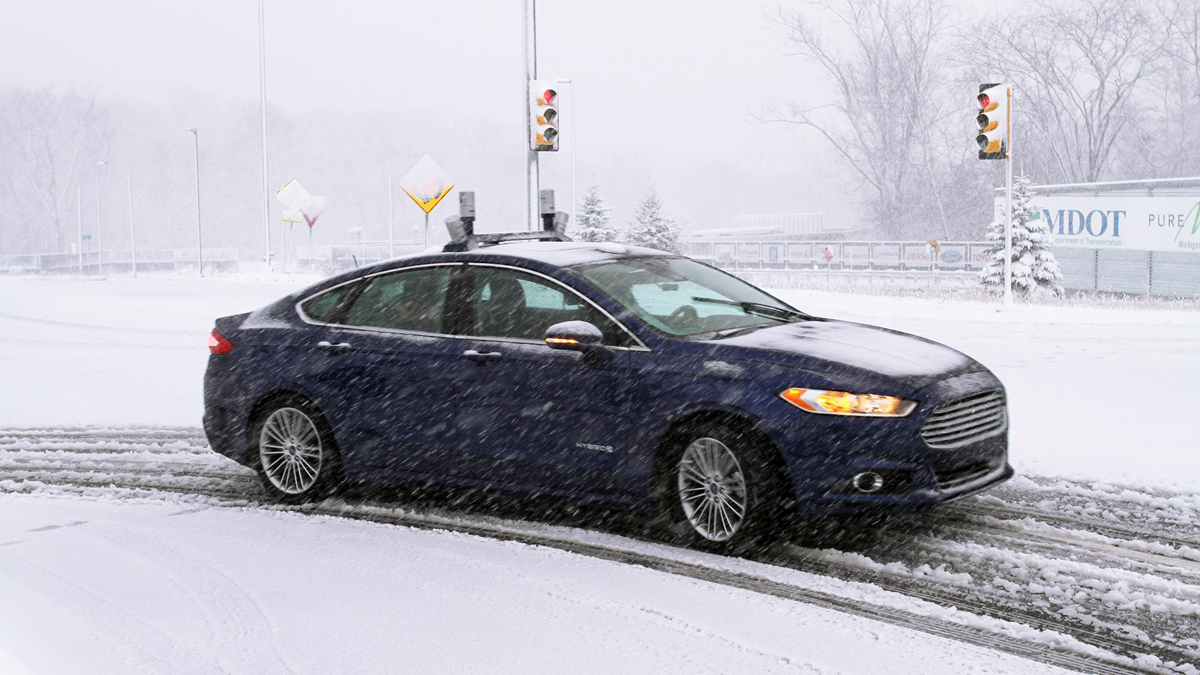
(1025, 570)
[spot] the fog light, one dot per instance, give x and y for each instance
(867, 482)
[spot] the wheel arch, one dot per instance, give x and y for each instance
(264, 403)
(742, 423)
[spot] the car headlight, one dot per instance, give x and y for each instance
(845, 403)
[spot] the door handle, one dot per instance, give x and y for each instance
(482, 357)
(338, 348)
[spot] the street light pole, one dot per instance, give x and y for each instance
(99, 219)
(262, 97)
(532, 179)
(79, 214)
(199, 232)
(574, 147)
(132, 232)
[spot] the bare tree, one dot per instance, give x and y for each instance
(45, 140)
(886, 67)
(1078, 67)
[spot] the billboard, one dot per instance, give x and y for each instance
(1132, 222)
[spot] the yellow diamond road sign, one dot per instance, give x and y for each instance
(426, 183)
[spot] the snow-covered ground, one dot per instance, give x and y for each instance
(1095, 393)
(92, 580)
(123, 587)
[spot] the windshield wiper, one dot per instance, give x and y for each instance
(769, 311)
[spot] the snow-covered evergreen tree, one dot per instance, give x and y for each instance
(594, 222)
(650, 228)
(1034, 267)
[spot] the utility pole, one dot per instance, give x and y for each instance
(199, 232)
(132, 232)
(262, 97)
(532, 179)
(99, 218)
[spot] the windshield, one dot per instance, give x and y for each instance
(682, 297)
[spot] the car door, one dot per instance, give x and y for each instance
(395, 363)
(535, 416)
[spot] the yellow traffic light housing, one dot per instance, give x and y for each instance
(543, 108)
(993, 121)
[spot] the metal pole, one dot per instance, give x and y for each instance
(132, 232)
(99, 220)
(426, 230)
(1008, 299)
(199, 237)
(391, 221)
(79, 207)
(532, 179)
(574, 147)
(262, 96)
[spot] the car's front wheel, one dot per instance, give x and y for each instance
(720, 489)
(297, 458)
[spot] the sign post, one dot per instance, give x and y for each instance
(426, 184)
(298, 206)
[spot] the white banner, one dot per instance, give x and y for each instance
(952, 255)
(800, 255)
(1135, 222)
(773, 254)
(750, 254)
(916, 255)
(858, 255)
(885, 254)
(724, 253)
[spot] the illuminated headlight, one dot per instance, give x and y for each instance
(845, 403)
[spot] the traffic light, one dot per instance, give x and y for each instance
(993, 121)
(543, 109)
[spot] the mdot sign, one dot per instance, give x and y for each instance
(1143, 221)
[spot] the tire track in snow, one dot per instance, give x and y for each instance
(146, 462)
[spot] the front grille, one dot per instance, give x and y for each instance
(965, 420)
(948, 480)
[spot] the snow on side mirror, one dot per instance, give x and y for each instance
(577, 336)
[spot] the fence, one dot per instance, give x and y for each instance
(905, 263)
(119, 261)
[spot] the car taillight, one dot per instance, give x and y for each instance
(217, 343)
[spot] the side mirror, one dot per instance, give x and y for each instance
(575, 336)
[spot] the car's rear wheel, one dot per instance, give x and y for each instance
(720, 490)
(297, 458)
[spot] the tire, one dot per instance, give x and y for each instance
(718, 490)
(295, 454)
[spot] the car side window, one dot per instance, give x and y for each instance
(406, 300)
(324, 306)
(509, 303)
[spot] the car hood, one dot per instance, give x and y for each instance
(827, 346)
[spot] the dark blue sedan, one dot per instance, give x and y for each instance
(603, 373)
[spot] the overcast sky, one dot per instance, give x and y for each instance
(666, 89)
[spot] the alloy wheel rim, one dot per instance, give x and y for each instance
(290, 451)
(712, 489)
